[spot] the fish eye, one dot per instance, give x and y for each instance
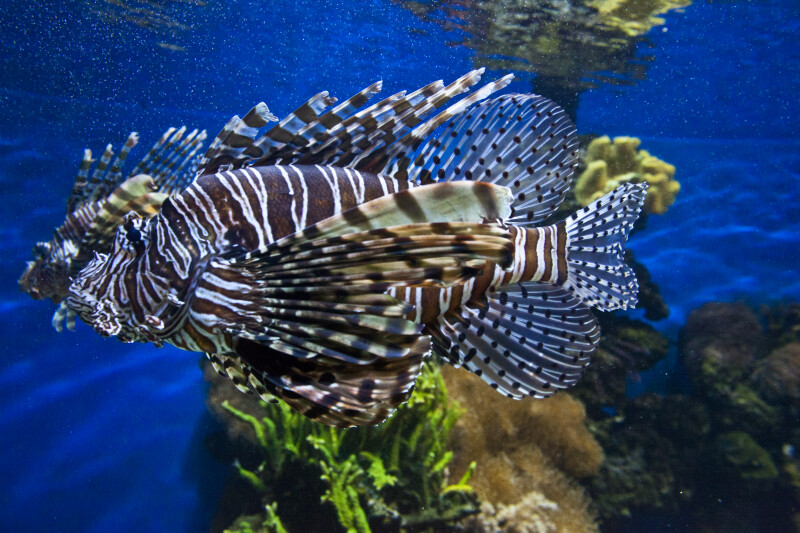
(133, 235)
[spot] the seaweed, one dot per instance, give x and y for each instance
(392, 477)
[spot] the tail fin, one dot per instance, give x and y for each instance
(596, 236)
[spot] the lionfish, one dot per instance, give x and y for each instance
(321, 261)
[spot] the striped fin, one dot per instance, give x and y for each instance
(394, 161)
(299, 131)
(144, 164)
(286, 134)
(528, 340)
(237, 146)
(372, 139)
(137, 194)
(524, 142)
(175, 161)
(156, 152)
(64, 316)
(370, 154)
(231, 367)
(343, 143)
(420, 254)
(293, 330)
(443, 202)
(320, 139)
(115, 173)
(169, 161)
(236, 140)
(95, 184)
(169, 156)
(79, 189)
(180, 176)
(331, 393)
(343, 134)
(313, 322)
(596, 237)
(315, 129)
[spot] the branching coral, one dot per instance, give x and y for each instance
(522, 447)
(609, 164)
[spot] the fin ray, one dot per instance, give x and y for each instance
(527, 340)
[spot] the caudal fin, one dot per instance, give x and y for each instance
(596, 238)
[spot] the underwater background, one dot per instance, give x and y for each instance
(97, 435)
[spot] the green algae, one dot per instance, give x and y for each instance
(392, 476)
(744, 458)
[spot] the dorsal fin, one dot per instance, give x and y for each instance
(170, 161)
(374, 139)
(524, 142)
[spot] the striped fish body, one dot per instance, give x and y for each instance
(177, 255)
(540, 255)
(252, 207)
(320, 262)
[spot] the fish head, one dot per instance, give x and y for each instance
(47, 276)
(100, 295)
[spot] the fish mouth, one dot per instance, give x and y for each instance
(101, 314)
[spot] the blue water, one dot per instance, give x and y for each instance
(97, 435)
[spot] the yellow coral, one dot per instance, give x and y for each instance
(522, 447)
(610, 164)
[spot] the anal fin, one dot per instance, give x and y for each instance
(527, 340)
(331, 392)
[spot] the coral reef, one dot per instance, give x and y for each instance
(533, 514)
(524, 447)
(414, 472)
(724, 458)
(720, 344)
(651, 449)
(628, 347)
(782, 323)
(612, 163)
(300, 475)
(777, 377)
(741, 458)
